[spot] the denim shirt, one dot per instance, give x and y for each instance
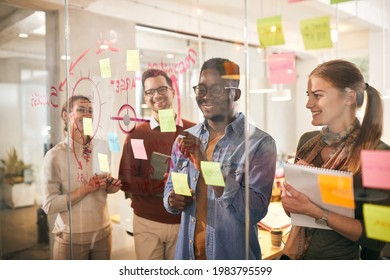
(225, 229)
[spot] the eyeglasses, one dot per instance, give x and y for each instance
(215, 90)
(84, 110)
(160, 90)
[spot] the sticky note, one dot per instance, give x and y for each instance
(336, 190)
(103, 163)
(167, 120)
(338, 1)
(132, 60)
(281, 68)
(180, 183)
(138, 148)
(377, 221)
(105, 68)
(270, 31)
(87, 126)
(212, 174)
(315, 33)
(113, 142)
(375, 169)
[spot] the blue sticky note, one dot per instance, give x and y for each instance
(113, 142)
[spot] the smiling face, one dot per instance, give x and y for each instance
(81, 109)
(158, 101)
(217, 108)
(328, 105)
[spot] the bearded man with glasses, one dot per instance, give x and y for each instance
(155, 230)
(213, 218)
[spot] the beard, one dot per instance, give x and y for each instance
(217, 118)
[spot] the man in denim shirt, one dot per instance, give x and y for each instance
(213, 218)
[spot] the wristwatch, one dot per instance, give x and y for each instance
(323, 221)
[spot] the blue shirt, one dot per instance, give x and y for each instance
(225, 229)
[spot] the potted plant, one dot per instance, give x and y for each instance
(12, 168)
(17, 184)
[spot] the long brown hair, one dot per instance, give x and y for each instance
(344, 74)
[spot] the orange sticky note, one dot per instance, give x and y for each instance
(132, 60)
(105, 68)
(212, 174)
(138, 148)
(103, 163)
(180, 183)
(377, 221)
(87, 126)
(336, 190)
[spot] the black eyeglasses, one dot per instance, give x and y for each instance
(160, 90)
(215, 90)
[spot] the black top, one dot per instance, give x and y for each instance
(328, 244)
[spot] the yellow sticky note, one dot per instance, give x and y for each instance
(105, 68)
(212, 174)
(180, 183)
(377, 221)
(132, 60)
(336, 190)
(316, 33)
(103, 163)
(87, 126)
(167, 120)
(270, 31)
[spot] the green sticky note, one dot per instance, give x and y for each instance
(103, 163)
(87, 126)
(105, 68)
(212, 174)
(316, 33)
(270, 31)
(338, 1)
(377, 221)
(180, 183)
(132, 60)
(167, 120)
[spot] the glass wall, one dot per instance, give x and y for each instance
(99, 49)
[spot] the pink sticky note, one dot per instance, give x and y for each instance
(138, 148)
(375, 169)
(282, 68)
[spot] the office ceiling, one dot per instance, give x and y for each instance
(18, 15)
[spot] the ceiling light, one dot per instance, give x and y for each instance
(170, 55)
(23, 35)
(65, 57)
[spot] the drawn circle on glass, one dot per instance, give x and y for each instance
(86, 87)
(126, 118)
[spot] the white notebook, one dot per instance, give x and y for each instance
(305, 179)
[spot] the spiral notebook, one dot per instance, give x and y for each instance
(329, 189)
